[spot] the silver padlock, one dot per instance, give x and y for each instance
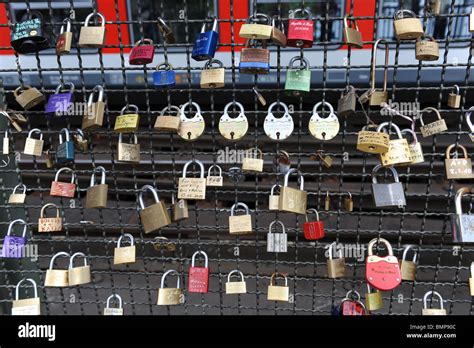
(462, 224)
(273, 199)
(277, 242)
(433, 311)
(233, 128)
(108, 310)
(278, 128)
(323, 128)
(387, 195)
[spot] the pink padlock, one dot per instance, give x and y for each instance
(300, 31)
(142, 52)
(199, 276)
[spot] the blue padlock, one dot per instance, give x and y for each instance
(65, 149)
(206, 43)
(12, 245)
(254, 60)
(166, 77)
(60, 104)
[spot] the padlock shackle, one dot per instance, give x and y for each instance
(62, 86)
(128, 107)
(458, 199)
(196, 105)
(162, 26)
(71, 260)
(214, 25)
(425, 37)
(172, 272)
(235, 271)
(276, 222)
(199, 163)
(144, 41)
(374, 64)
(378, 241)
(66, 133)
(348, 21)
(405, 252)
(280, 27)
(276, 275)
(239, 204)
(65, 169)
(400, 14)
(119, 299)
(273, 188)
(304, 63)
(127, 235)
(66, 21)
(392, 125)
(166, 65)
(253, 149)
(272, 105)
(298, 173)
(452, 146)
(135, 138)
(200, 252)
(357, 298)
(80, 132)
(23, 186)
(468, 118)
(254, 18)
(428, 110)
(100, 97)
(209, 63)
(19, 89)
(61, 253)
(214, 166)
(171, 107)
(43, 208)
(227, 106)
(101, 170)
(92, 15)
(17, 288)
(311, 210)
(153, 192)
(305, 10)
(17, 221)
(323, 103)
(433, 293)
(412, 133)
(338, 251)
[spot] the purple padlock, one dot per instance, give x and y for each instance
(60, 103)
(12, 245)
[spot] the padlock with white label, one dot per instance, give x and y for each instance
(240, 224)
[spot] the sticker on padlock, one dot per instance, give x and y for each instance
(63, 189)
(346, 105)
(214, 180)
(352, 35)
(61, 102)
(398, 150)
(213, 77)
(298, 79)
(28, 97)
(433, 311)
(64, 40)
(336, 267)
(192, 188)
(407, 267)
(28, 35)
(323, 128)
(18, 198)
(416, 151)
(301, 31)
(57, 277)
(426, 49)
(253, 30)
(125, 254)
(458, 168)
(170, 296)
(407, 26)
(142, 52)
(94, 114)
(128, 152)
(278, 292)
(240, 224)
(239, 287)
(46, 224)
(79, 275)
(373, 96)
(92, 36)
(462, 224)
(372, 142)
(65, 152)
(199, 276)
(166, 122)
(277, 242)
(26, 306)
(13, 246)
(253, 160)
(432, 128)
(164, 76)
(254, 60)
(233, 128)
(387, 195)
(313, 230)
(278, 128)
(191, 128)
(383, 273)
(108, 310)
(96, 197)
(273, 199)
(128, 120)
(206, 42)
(154, 216)
(293, 200)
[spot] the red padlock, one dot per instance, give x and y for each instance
(300, 31)
(63, 189)
(313, 229)
(383, 273)
(142, 52)
(199, 276)
(351, 306)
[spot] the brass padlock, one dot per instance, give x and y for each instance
(81, 140)
(278, 33)
(125, 254)
(49, 158)
(79, 275)
(34, 147)
(64, 40)
(348, 203)
(154, 216)
(127, 122)
(191, 128)
(28, 97)
(278, 293)
(398, 151)
(458, 168)
(254, 60)
(57, 277)
(49, 224)
(433, 311)
(239, 287)
(233, 128)
(471, 280)
(128, 153)
(6, 142)
(253, 160)
(408, 268)
(169, 296)
(97, 194)
(166, 31)
(252, 30)
(352, 35)
(336, 267)
(373, 96)
(346, 105)
(192, 188)
(426, 49)
(12, 120)
(274, 199)
(108, 310)
(293, 200)
(163, 244)
(327, 201)
(27, 306)
(166, 122)
(323, 128)
(372, 142)
(454, 98)
(180, 209)
(416, 151)
(373, 300)
(212, 77)
(436, 127)
(214, 180)
(92, 36)
(94, 114)
(18, 198)
(407, 26)
(240, 224)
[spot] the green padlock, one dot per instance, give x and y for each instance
(298, 80)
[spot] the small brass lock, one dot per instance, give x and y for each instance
(273, 199)
(166, 122)
(348, 202)
(28, 97)
(94, 114)
(433, 311)
(169, 296)
(92, 36)
(398, 151)
(128, 153)
(166, 31)
(240, 224)
(293, 200)
(34, 146)
(49, 224)
(154, 216)
(407, 267)
(179, 209)
(458, 168)
(213, 77)
(373, 300)
(427, 49)
(125, 254)
(372, 142)
(253, 30)
(79, 275)
(352, 35)
(27, 306)
(81, 140)
(436, 127)
(239, 287)
(214, 180)
(56, 277)
(407, 26)
(374, 96)
(97, 194)
(336, 267)
(416, 151)
(18, 198)
(253, 160)
(191, 128)
(278, 292)
(64, 41)
(108, 310)
(454, 98)
(278, 32)
(127, 122)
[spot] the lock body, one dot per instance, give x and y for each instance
(33, 147)
(463, 228)
(164, 78)
(427, 50)
(373, 301)
(300, 33)
(373, 142)
(388, 195)
(192, 188)
(28, 306)
(383, 273)
(273, 202)
(92, 37)
(346, 105)
(336, 268)
(94, 116)
(277, 242)
(232, 288)
(79, 275)
(212, 78)
(278, 293)
(458, 168)
(129, 153)
(59, 104)
(167, 123)
(124, 255)
(198, 280)
(65, 152)
(28, 97)
(313, 230)
(298, 81)
(292, 200)
(56, 278)
(62, 189)
(169, 296)
(154, 217)
(50, 224)
(205, 45)
(142, 54)
(127, 123)
(63, 43)
(97, 196)
(254, 61)
(433, 128)
(240, 224)
(17, 198)
(180, 210)
(13, 247)
(408, 270)
(252, 164)
(398, 153)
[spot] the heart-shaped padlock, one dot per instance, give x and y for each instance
(323, 128)
(383, 273)
(191, 128)
(278, 128)
(233, 128)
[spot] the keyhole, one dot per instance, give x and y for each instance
(232, 135)
(278, 135)
(371, 147)
(189, 135)
(324, 135)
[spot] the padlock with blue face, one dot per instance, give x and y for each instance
(164, 76)
(13, 245)
(206, 43)
(254, 60)
(65, 149)
(60, 103)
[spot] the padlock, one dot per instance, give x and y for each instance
(336, 267)
(298, 80)
(213, 77)
(214, 180)
(34, 147)
(49, 158)
(154, 216)
(351, 305)
(240, 224)
(128, 120)
(323, 128)
(426, 49)
(277, 242)
(433, 311)
(65, 149)
(13, 246)
(283, 162)
(327, 201)
(346, 105)
(432, 128)
(408, 268)
(348, 202)
(17, 198)
(169, 296)
(293, 200)
(63, 189)
(462, 224)
(383, 273)
(26, 306)
(108, 310)
(79, 275)
(458, 168)
(373, 300)
(28, 35)
(278, 128)
(46, 224)
(301, 31)
(92, 36)
(398, 150)
(64, 40)
(254, 60)
(313, 230)
(239, 287)
(142, 52)
(471, 20)
(387, 195)
(166, 31)
(162, 244)
(372, 142)
(192, 188)
(97, 194)
(164, 78)
(233, 128)
(373, 96)
(278, 32)
(6, 142)
(433, 7)
(80, 140)
(199, 276)
(278, 292)
(416, 151)
(28, 97)
(166, 122)
(352, 35)
(11, 120)
(471, 280)
(125, 254)
(15, 116)
(205, 44)
(273, 199)
(253, 30)
(407, 26)
(128, 153)
(191, 128)
(261, 99)
(61, 102)
(180, 209)
(454, 98)
(94, 114)
(57, 277)
(253, 160)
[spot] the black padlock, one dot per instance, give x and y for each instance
(28, 34)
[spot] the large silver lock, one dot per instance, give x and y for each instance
(191, 128)
(387, 195)
(323, 128)
(278, 128)
(462, 224)
(233, 128)
(277, 242)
